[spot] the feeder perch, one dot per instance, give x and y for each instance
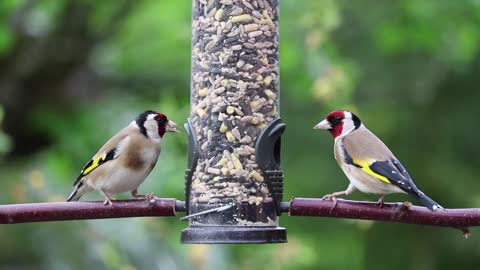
(234, 180)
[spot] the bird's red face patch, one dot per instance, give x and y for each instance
(335, 119)
(161, 117)
(162, 121)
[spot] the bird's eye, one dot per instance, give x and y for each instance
(335, 120)
(160, 120)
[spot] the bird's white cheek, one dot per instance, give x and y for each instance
(348, 126)
(152, 130)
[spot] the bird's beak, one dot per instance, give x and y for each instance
(171, 127)
(323, 125)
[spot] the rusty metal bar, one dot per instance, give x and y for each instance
(393, 212)
(57, 211)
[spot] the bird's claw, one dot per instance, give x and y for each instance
(150, 198)
(406, 205)
(331, 197)
(327, 197)
(380, 201)
(466, 233)
(404, 208)
(108, 201)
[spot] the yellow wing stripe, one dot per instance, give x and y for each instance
(94, 165)
(365, 166)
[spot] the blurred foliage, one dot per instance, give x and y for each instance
(75, 72)
(5, 142)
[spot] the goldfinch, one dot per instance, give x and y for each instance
(367, 162)
(123, 163)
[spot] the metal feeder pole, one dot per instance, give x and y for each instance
(234, 182)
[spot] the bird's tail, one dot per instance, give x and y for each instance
(77, 192)
(427, 201)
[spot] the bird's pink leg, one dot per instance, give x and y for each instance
(108, 198)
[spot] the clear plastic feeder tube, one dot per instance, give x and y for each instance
(234, 123)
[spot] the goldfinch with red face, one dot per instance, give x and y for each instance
(367, 162)
(124, 162)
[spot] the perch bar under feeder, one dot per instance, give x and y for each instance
(57, 211)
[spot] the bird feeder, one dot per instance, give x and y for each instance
(234, 181)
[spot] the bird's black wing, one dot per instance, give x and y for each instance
(95, 163)
(394, 171)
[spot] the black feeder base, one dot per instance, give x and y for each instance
(233, 235)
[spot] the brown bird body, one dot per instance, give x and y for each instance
(360, 143)
(123, 162)
(367, 162)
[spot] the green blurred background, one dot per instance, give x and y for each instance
(74, 72)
